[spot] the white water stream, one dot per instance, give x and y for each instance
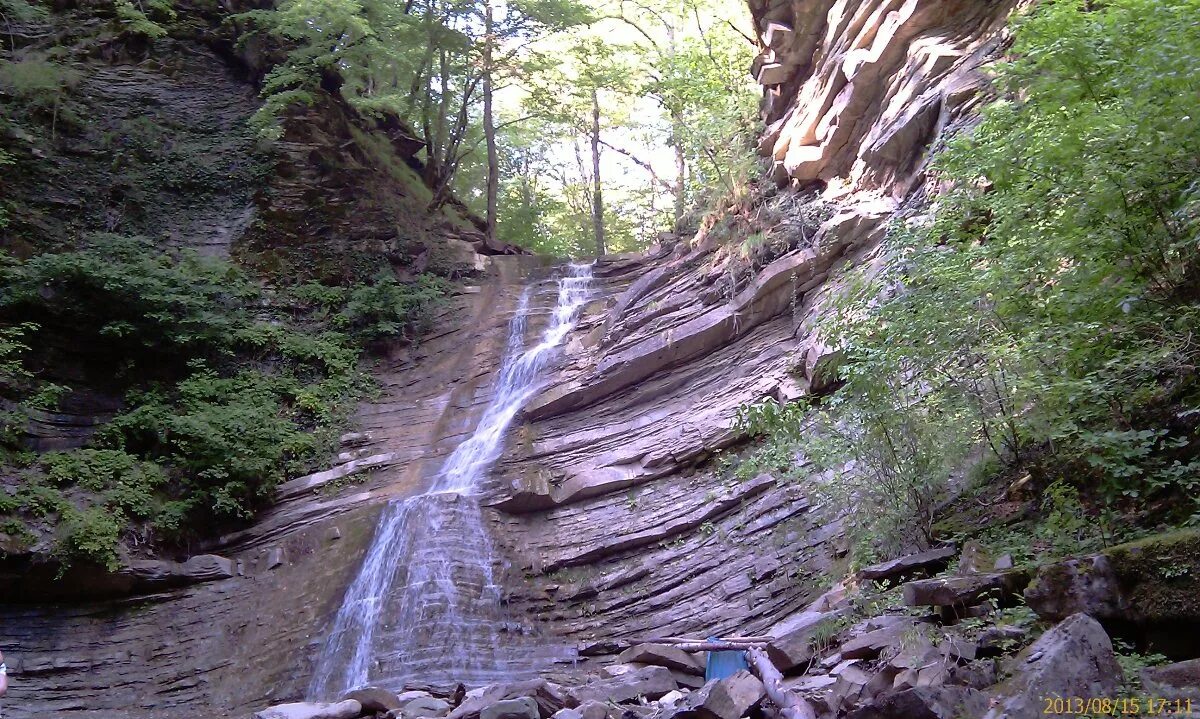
(426, 603)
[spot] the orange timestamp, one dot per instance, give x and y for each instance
(1117, 706)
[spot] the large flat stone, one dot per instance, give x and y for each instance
(792, 646)
(662, 655)
(964, 590)
(647, 682)
(929, 562)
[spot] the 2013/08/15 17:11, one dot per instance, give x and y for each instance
(1117, 706)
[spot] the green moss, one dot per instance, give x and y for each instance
(381, 153)
(1161, 575)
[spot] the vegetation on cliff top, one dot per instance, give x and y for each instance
(1046, 310)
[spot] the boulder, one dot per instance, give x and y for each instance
(664, 656)
(869, 645)
(1153, 583)
(688, 681)
(567, 714)
(729, 698)
(549, 698)
(519, 708)
(924, 703)
(427, 706)
(930, 562)
(375, 700)
(1174, 681)
(855, 684)
(1088, 585)
(1072, 659)
(346, 709)
(596, 649)
(593, 710)
(1001, 639)
(964, 590)
(792, 646)
(648, 682)
(979, 674)
(206, 568)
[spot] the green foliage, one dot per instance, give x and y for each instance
(21, 11)
(383, 309)
(1047, 308)
(145, 17)
(92, 534)
(230, 440)
(40, 84)
(123, 294)
(226, 397)
(1132, 663)
(389, 308)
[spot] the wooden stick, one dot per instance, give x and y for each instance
(718, 646)
(792, 706)
(682, 640)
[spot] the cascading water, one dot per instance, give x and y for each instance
(443, 622)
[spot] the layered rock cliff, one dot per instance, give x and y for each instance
(615, 520)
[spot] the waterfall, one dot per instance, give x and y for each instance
(426, 602)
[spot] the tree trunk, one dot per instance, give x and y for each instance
(680, 182)
(489, 124)
(597, 198)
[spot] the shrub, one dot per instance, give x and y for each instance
(1048, 306)
(225, 396)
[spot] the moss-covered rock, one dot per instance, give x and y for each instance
(1160, 576)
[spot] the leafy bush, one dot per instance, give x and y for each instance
(144, 18)
(230, 440)
(226, 397)
(385, 308)
(1047, 307)
(92, 534)
(124, 295)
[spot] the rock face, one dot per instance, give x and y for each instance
(857, 89)
(925, 703)
(617, 526)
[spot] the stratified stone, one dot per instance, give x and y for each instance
(1179, 681)
(946, 702)
(728, 698)
(648, 682)
(869, 645)
(662, 655)
(793, 645)
(426, 707)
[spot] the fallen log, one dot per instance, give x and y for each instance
(790, 705)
